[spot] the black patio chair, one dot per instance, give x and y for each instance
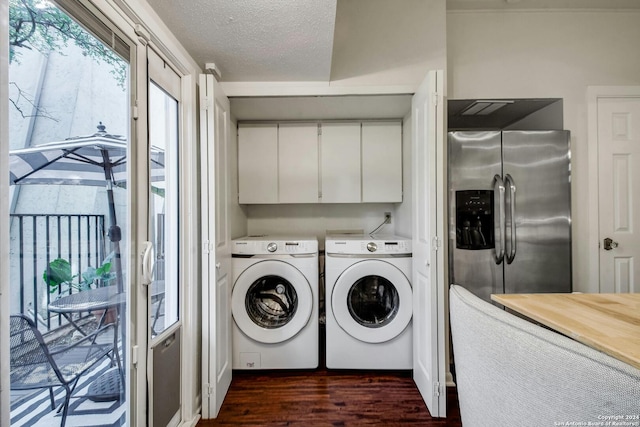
(34, 364)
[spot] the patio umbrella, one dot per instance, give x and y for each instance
(95, 160)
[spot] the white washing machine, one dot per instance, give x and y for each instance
(369, 302)
(274, 302)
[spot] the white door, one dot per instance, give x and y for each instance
(618, 187)
(428, 136)
(216, 261)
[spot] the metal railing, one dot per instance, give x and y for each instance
(38, 239)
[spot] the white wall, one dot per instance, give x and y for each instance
(549, 117)
(368, 33)
(316, 219)
(554, 54)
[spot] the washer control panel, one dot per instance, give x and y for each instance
(273, 245)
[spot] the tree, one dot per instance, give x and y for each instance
(40, 25)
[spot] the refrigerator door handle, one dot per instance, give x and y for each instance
(510, 183)
(498, 193)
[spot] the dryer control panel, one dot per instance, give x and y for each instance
(367, 245)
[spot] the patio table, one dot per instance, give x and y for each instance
(91, 300)
(107, 386)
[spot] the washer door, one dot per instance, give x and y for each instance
(271, 301)
(372, 301)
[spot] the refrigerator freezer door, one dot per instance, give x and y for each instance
(538, 233)
(474, 160)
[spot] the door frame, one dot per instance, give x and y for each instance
(593, 237)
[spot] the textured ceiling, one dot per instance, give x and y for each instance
(255, 40)
(360, 42)
(357, 42)
(337, 43)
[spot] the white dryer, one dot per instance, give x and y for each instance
(274, 302)
(369, 302)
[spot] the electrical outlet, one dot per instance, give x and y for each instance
(387, 217)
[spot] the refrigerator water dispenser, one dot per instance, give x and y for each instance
(474, 219)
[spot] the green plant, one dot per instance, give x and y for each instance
(59, 277)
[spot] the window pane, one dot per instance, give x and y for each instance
(163, 135)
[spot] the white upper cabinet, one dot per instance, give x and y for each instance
(258, 163)
(381, 162)
(340, 163)
(349, 162)
(298, 163)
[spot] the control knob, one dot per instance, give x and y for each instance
(372, 247)
(272, 247)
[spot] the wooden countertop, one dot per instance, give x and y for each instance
(607, 322)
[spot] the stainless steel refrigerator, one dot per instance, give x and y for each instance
(510, 211)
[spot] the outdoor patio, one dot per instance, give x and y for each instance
(81, 239)
(33, 407)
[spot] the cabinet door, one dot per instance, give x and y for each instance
(340, 160)
(258, 163)
(298, 163)
(381, 162)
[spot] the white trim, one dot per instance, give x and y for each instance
(252, 89)
(138, 12)
(162, 73)
(593, 94)
(190, 255)
(138, 215)
(192, 422)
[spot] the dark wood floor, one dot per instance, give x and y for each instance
(328, 398)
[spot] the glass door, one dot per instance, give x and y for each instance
(69, 140)
(163, 215)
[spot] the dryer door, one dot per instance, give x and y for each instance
(372, 301)
(271, 301)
